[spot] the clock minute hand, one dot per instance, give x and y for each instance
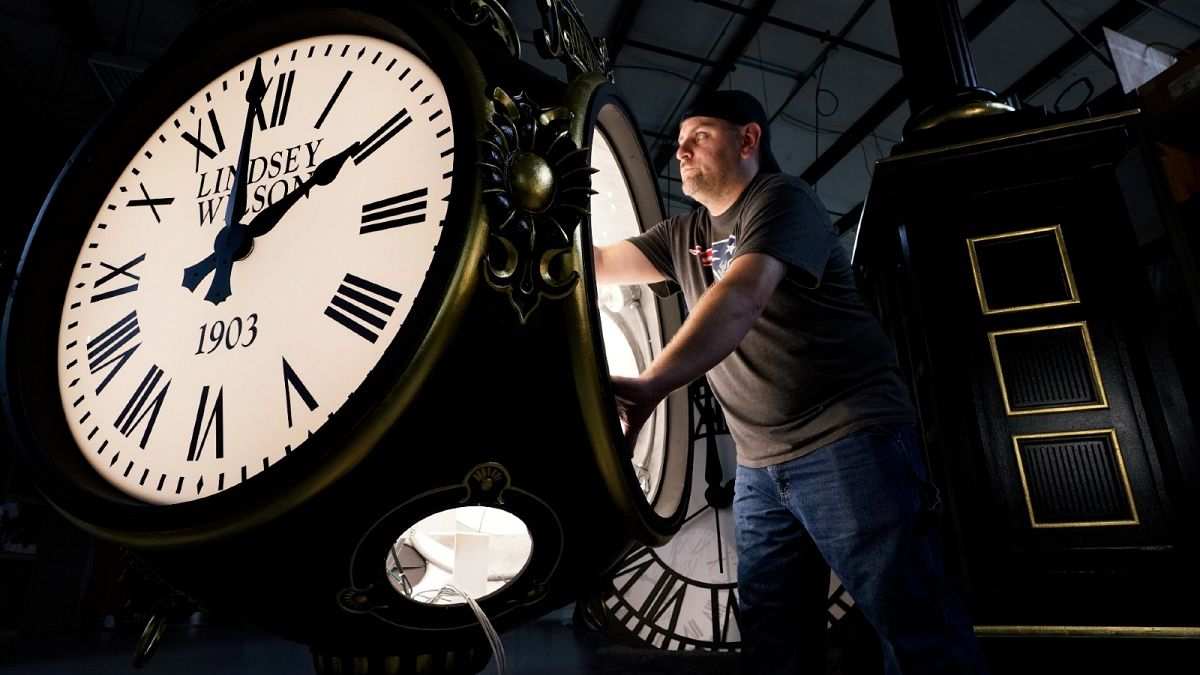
(229, 239)
(254, 95)
(324, 174)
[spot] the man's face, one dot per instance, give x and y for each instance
(708, 153)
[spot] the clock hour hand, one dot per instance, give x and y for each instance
(324, 174)
(717, 495)
(194, 274)
(225, 248)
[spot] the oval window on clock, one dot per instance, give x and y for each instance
(471, 551)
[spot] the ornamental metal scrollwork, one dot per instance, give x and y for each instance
(488, 20)
(536, 186)
(565, 37)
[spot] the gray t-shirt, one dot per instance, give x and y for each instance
(816, 366)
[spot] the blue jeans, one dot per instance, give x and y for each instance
(865, 504)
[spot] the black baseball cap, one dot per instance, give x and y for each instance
(739, 107)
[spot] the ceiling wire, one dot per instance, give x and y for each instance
(1081, 80)
(817, 110)
(829, 131)
(712, 48)
(763, 73)
(665, 71)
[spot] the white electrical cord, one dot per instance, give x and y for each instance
(493, 636)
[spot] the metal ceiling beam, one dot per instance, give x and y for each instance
(975, 23)
(819, 62)
(626, 13)
(736, 47)
(675, 54)
(1120, 15)
(823, 35)
(751, 62)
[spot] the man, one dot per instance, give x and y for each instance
(828, 463)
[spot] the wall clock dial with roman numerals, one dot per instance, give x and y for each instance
(187, 369)
(242, 258)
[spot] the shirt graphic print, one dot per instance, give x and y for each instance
(718, 257)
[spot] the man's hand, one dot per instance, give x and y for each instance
(636, 401)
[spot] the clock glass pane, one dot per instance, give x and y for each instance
(252, 263)
(629, 314)
(471, 550)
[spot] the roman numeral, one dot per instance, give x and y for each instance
(291, 380)
(151, 202)
(283, 95)
(722, 619)
(140, 405)
(333, 99)
(397, 211)
(114, 272)
(103, 349)
(382, 135)
(666, 595)
(361, 307)
(197, 141)
(635, 566)
(215, 418)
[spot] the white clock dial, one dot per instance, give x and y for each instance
(176, 391)
(629, 316)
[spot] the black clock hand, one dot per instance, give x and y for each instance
(324, 174)
(717, 495)
(254, 95)
(229, 240)
(720, 546)
(233, 243)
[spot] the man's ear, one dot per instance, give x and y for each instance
(750, 137)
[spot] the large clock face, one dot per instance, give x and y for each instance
(205, 336)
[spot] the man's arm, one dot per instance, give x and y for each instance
(624, 263)
(711, 332)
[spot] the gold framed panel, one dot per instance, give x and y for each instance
(981, 292)
(1112, 433)
(1092, 362)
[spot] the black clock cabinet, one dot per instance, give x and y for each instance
(1042, 295)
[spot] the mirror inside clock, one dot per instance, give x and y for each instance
(471, 550)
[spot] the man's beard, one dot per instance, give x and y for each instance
(697, 184)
